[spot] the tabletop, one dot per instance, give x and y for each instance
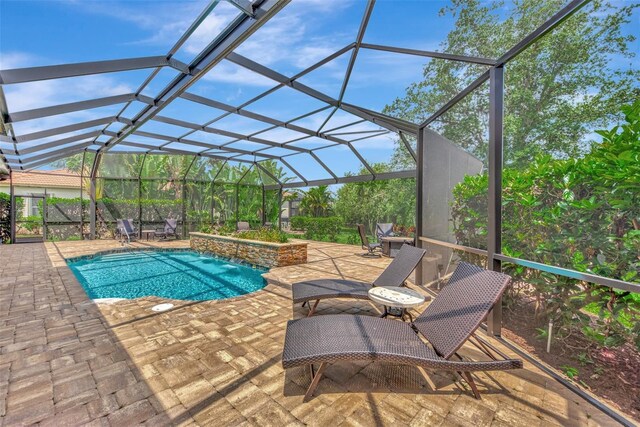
(396, 297)
(396, 239)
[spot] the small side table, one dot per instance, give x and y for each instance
(147, 233)
(399, 298)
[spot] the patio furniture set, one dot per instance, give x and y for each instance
(126, 230)
(431, 341)
(388, 243)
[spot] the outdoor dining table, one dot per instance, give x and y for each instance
(392, 244)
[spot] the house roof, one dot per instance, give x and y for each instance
(60, 178)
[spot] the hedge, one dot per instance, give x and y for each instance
(321, 228)
(582, 214)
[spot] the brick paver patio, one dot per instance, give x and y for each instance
(67, 361)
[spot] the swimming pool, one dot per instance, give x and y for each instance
(183, 275)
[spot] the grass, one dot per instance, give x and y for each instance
(346, 235)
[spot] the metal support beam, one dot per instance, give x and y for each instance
(245, 6)
(430, 54)
(210, 146)
(494, 227)
(390, 123)
(50, 156)
(292, 169)
(466, 91)
(35, 164)
(269, 174)
(420, 174)
(237, 32)
(55, 110)
(408, 146)
(192, 28)
(354, 54)
(542, 30)
(65, 129)
(33, 74)
(57, 143)
(347, 179)
(255, 116)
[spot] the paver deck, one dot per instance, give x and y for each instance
(67, 361)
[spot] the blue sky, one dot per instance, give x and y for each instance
(35, 33)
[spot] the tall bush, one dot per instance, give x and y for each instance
(581, 213)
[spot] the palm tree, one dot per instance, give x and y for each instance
(317, 201)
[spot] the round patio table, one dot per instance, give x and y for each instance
(398, 298)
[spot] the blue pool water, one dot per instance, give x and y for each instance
(177, 275)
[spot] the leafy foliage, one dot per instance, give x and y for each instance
(371, 202)
(317, 201)
(324, 228)
(581, 213)
(556, 91)
(5, 217)
(264, 235)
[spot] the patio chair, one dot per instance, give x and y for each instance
(395, 275)
(126, 229)
(447, 323)
(364, 240)
(170, 229)
(243, 226)
(384, 230)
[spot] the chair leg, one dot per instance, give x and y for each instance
(313, 309)
(467, 376)
(314, 381)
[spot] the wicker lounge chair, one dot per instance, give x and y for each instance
(447, 323)
(170, 229)
(370, 247)
(395, 274)
(243, 226)
(126, 230)
(384, 230)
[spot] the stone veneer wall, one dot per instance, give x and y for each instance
(265, 254)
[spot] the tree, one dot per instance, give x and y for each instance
(371, 202)
(317, 201)
(556, 92)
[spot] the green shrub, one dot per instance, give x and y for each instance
(324, 228)
(299, 222)
(580, 213)
(264, 235)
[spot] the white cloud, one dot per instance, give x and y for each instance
(32, 95)
(210, 28)
(228, 72)
(27, 96)
(10, 60)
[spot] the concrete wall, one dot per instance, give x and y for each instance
(445, 165)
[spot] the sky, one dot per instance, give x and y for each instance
(38, 33)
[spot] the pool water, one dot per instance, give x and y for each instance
(184, 275)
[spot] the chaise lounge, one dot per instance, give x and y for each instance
(446, 324)
(126, 230)
(170, 229)
(394, 275)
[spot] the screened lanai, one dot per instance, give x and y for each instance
(224, 122)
